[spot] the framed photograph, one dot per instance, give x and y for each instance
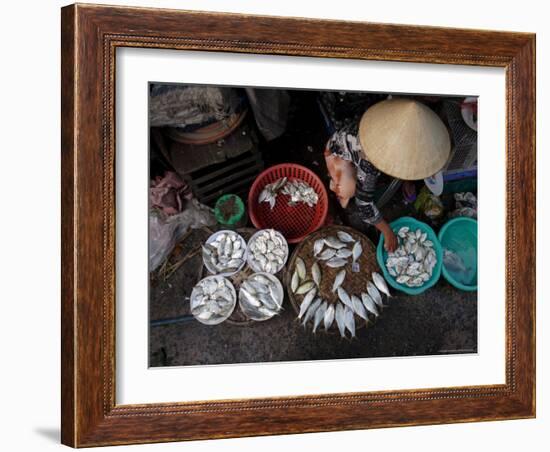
(282, 225)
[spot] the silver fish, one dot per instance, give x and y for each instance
(318, 246)
(305, 287)
(343, 253)
(301, 268)
(338, 280)
(374, 294)
(344, 297)
(329, 317)
(306, 302)
(310, 296)
(358, 307)
(327, 254)
(349, 321)
(251, 299)
(295, 281)
(333, 242)
(336, 262)
(369, 304)
(380, 283)
(316, 273)
(357, 251)
(319, 315)
(345, 237)
(312, 310)
(340, 321)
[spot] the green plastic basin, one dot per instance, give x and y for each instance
(459, 235)
(382, 255)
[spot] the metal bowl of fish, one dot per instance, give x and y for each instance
(416, 263)
(224, 253)
(261, 296)
(267, 251)
(213, 300)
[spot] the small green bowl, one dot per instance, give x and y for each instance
(460, 236)
(382, 255)
(237, 215)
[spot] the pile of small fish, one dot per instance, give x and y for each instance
(413, 261)
(335, 252)
(345, 308)
(213, 300)
(297, 190)
(267, 251)
(261, 296)
(224, 252)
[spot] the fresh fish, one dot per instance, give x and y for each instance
(318, 246)
(344, 297)
(345, 237)
(319, 315)
(338, 280)
(316, 273)
(333, 242)
(369, 304)
(295, 281)
(413, 257)
(267, 251)
(300, 191)
(305, 287)
(312, 310)
(357, 251)
(327, 254)
(301, 268)
(343, 252)
(349, 321)
(310, 296)
(260, 297)
(224, 252)
(380, 283)
(306, 302)
(336, 262)
(358, 307)
(374, 294)
(329, 317)
(340, 321)
(403, 232)
(212, 300)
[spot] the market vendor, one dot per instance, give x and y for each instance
(399, 137)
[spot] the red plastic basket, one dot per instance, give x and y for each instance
(294, 222)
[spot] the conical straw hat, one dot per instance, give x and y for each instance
(404, 138)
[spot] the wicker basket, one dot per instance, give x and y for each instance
(355, 283)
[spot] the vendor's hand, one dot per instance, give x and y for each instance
(390, 241)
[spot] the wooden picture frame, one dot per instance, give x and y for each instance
(90, 36)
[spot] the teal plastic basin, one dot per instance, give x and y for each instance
(459, 235)
(382, 255)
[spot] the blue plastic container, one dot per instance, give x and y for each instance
(459, 236)
(382, 255)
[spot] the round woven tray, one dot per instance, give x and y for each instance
(354, 283)
(238, 317)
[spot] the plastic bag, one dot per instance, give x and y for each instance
(165, 232)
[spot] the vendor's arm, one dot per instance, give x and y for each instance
(364, 199)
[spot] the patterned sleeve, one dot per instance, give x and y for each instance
(367, 175)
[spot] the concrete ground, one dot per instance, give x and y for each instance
(442, 320)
